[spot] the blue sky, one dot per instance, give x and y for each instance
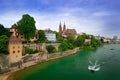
(97, 17)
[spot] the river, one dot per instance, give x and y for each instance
(75, 67)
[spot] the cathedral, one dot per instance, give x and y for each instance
(66, 32)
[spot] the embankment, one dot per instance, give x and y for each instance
(36, 59)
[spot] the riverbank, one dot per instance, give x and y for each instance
(75, 67)
(10, 75)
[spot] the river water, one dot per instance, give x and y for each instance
(75, 67)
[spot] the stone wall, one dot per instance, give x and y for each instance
(41, 46)
(4, 63)
(32, 59)
(62, 54)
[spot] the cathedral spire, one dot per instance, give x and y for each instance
(64, 27)
(60, 28)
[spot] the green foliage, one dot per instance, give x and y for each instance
(64, 46)
(70, 45)
(71, 42)
(50, 48)
(80, 41)
(42, 37)
(26, 26)
(85, 36)
(3, 44)
(59, 37)
(24, 42)
(4, 31)
(95, 42)
(87, 47)
(29, 51)
(71, 39)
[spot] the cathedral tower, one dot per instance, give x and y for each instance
(60, 28)
(64, 27)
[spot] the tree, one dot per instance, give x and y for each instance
(50, 48)
(28, 50)
(42, 37)
(63, 46)
(59, 37)
(4, 31)
(71, 39)
(85, 36)
(95, 42)
(3, 44)
(80, 41)
(26, 26)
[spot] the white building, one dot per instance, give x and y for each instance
(50, 35)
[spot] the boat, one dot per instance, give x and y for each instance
(111, 49)
(93, 67)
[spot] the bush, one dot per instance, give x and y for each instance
(29, 51)
(63, 46)
(24, 42)
(3, 44)
(50, 49)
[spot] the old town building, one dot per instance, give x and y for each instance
(15, 49)
(50, 35)
(15, 32)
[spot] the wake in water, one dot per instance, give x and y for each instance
(93, 67)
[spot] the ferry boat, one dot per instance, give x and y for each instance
(93, 67)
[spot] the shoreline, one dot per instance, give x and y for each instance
(9, 75)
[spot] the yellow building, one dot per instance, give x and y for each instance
(15, 49)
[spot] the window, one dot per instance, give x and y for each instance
(13, 47)
(13, 51)
(18, 46)
(18, 51)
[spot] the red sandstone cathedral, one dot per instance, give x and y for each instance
(66, 32)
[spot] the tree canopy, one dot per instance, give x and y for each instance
(95, 42)
(50, 48)
(42, 37)
(28, 50)
(4, 31)
(80, 41)
(63, 46)
(71, 42)
(3, 44)
(26, 26)
(59, 37)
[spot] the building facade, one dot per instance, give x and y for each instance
(50, 35)
(15, 49)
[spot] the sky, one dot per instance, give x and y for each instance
(96, 17)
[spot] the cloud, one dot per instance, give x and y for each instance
(45, 21)
(90, 16)
(101, 13)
